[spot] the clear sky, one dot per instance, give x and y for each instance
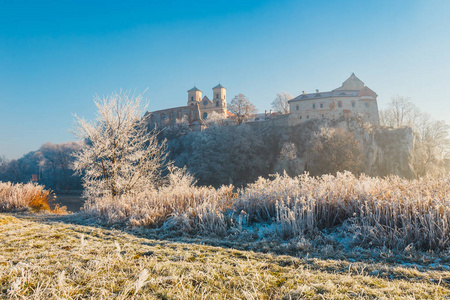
(56, 55)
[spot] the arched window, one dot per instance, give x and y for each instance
(205, 115)
(367, 104)
(205, 102)
(217, 103)
(314, 106)
(323, 116)
(353, 104)
(192, 98)
(217, 96)
(300, 117)
(321, 105)
(297, 108)
(340, 104)
(307, 117)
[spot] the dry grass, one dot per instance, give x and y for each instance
(50, 260)
(391, 212)
(18, 197)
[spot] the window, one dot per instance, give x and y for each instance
(217, 103)
(300, 117)
(217, 96)
(307, 117)
(367, 104)
(314, 106)
(297, 108)
(340, 104)
(192, 98)
(321, 105)
(323, 116)
(192, 104)
(205, 102)
(353, 103)
(205, 115)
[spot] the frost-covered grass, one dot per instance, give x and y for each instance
(41, 258)
(19, 197)
(23, 196)
(383, 212)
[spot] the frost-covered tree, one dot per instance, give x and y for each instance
(280, 104)
(216, 119)
(120, 155)
(242, 108)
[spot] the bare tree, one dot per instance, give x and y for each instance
(431, 144)
(280, 104)
(119, 155)
(401, 112)
(242, 108)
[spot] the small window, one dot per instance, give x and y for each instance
(205, 102)
(192, 98)
(323, 116)
(321, 105)
(205, 115)
(300, 117)
(353, 103)
(217, 96)
(192, 104)
(314, 106)
(307, 117)
(367, 104)
(217, 103)
(339, 104)
(297, 108)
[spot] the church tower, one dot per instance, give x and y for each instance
(194, 96)
(220, 97)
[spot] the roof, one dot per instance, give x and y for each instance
(352, 83)
(219, 86)
(321, 95)
(352, 87)
(194, 89)
(167, 110)
(229, 113)
(205, 98)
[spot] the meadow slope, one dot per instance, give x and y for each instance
(42, 257)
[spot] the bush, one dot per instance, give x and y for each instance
(21, 196)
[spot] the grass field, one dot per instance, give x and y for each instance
(48, 257)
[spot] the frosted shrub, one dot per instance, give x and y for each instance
(23, 196)
(391, 211)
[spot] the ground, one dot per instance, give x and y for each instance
(52, 257)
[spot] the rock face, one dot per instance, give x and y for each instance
(386, 151)
(392, 153)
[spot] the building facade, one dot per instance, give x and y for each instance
(195, 112)
(352, 99)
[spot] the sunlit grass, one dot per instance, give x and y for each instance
(43, 260)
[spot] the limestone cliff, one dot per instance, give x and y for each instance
(386, 150)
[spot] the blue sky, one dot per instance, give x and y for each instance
(56, 55)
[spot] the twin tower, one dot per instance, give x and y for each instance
(217, 104)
